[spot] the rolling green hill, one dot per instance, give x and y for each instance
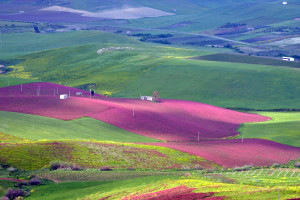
(144, 68)
(18, 44)
(283, 128)
(224, 84)
(34, 127)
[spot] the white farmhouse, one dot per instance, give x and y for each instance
(63, 96)
(147, 98)
(79, 93)
(288, 59)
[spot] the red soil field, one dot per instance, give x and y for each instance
(170, 120)
(232, 152)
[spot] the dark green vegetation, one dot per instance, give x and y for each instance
(283, 128)
(246, 59)
(34, 127)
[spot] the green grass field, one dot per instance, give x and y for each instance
(78, 190)
(34, 127)
(224, 84)
(247, 59)
(139, 186)
(9, 81)
(283, 128)
(146, 67)
(18, 44)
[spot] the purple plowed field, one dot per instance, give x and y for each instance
(231, 153)
(170, 120)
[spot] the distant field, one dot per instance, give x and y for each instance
(283, 128)
(246, 59)
(34, 127)
(18, 44)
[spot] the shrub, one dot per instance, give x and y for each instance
(55, 165)
(4, 198)
(75, 167)
(12, 169)
(14, 193)
(105, 169)
(243, 168)
(131, 169)
(297, 164)
(19, 198)
(35, 181)
(198, 167)
(276, 165)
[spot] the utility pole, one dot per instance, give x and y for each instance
(90, 93)
(69, 94)
(243, 137)
(21, 87)
(133, 111)
(198, 136)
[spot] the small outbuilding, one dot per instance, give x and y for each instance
(288, 59)
(63, 96)
(79, 93)
(147, 98)
(284, 3)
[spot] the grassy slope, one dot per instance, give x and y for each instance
(74, 190)
(34, 127)
(37, 155)
(148, 68)
(283, 128)
(140, 186)
(247, 59)
(5, 81)
(221, 84)
(25, 43)
(111, 71)
(221, 13)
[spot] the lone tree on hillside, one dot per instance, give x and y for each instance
(155, 95)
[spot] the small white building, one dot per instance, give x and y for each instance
(63, 96)
(284, 2)
(288, 59)
(147, 98)
(79, 93)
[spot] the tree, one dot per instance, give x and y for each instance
(36, 29)
(155, 95)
